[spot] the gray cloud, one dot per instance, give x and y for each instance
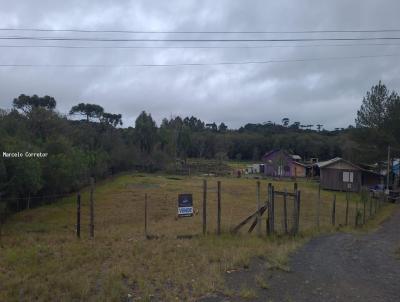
(327, 92)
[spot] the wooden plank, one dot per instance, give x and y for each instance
(282, 193)
(245, 221)
(255, 222)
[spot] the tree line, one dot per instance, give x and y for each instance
(97, 146)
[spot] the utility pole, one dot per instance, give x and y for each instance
(388, 171)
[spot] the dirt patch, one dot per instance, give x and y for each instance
(339, 267)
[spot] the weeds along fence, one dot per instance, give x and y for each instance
(221, 205)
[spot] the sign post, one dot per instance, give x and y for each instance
(185, 205)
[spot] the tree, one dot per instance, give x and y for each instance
(222, 127)
(88, 110)
(319, 127)
(375, 107)
(28, 103)
(146, 131)
(285, 121)
(295, 125)
(112, 119)
(212, 126)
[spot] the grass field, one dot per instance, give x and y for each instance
(41, 259)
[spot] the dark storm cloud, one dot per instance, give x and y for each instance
(327, 92)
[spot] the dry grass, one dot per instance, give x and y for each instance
(41, 259)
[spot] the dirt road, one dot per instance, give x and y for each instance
(339, 267)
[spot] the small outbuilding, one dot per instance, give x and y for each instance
(341, 175)
(279, 163)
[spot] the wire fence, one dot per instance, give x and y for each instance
(281, 208)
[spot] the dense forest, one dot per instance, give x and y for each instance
(99, 145)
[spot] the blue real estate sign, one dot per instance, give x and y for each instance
(185, 205)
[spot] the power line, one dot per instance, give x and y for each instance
(200, 32)
(191, 40)
(197, 47)
(197, 64)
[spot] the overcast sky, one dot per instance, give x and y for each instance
(324, 91)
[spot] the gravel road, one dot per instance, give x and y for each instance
(339, 267)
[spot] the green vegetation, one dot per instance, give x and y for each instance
(40, 247)
(247, 293)
(96, 146)
(261, 282)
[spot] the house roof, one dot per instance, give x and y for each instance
(324, 164)
(296, 157)
(293, 157)
(271, 152)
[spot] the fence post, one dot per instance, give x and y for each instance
(370, 205)
(364, 199)
(298, 212)
(318, 205)
(258, 209)
(347, 207)
(91, 208)
(334, 210)
(78, 215)
(268, 222)
(272, 220)
(204, 206)
(145, 215)
(285, 211)
(219, 208)
(295, 205)
(356, 214)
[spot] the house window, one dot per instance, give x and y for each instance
(348, 176)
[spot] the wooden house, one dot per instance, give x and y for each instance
(342, 175)
(279, 163)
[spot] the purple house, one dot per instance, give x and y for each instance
(279, 163)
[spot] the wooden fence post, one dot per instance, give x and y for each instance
(285, 211)
(334, 210)
(272, 220)
(295, 205)
(258, 209)
(91, 208)
(219, 208)
(364, 199)
(356, 214)
(268, 222)
(318, 205)
(347, 207)
(145, 215)
(298, 212)
(370, 205)
(78, 215)
(204, 206)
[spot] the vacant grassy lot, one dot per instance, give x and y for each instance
(41, 258)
